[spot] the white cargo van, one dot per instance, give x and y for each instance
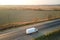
(31, 30)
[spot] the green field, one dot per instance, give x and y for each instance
(12, 18)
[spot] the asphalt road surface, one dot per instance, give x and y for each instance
(19, 33)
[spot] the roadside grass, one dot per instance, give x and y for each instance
(9, 26)
(51, 36)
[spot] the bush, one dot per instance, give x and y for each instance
(53, 36)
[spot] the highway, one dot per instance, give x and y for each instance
(19, 33)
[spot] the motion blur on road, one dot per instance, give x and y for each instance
(20, 32)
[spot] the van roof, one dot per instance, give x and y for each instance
(31, 28)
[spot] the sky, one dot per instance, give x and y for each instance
(29, 2)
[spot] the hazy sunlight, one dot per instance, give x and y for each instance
(29, 2)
